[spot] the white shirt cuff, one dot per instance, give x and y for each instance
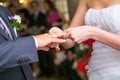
(36, 42)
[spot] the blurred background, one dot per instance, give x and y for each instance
(37, 17)
(67, 7)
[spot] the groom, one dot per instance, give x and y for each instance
(17, 53)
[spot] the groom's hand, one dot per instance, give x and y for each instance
(45, 40)
(57, 33)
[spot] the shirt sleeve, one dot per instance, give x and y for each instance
(36, 42)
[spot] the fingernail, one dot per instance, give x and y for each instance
(64, 40)
(57, 49)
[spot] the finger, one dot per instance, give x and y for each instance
(71, 36)
(66, 35)
(44, 48)
(55, 30)
(61, 35)
(57, 47)
(51, 32)
(52, 45)
(73, 39)
(59, 41)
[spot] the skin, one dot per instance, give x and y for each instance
(89, 32)
(45, 40)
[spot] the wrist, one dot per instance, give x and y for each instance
(95, 33)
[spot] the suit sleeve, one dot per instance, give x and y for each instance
(18, 52)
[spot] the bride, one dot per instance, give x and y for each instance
(104, 15)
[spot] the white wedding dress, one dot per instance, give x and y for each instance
(105, 61)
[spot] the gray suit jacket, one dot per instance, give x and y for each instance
(16, 54)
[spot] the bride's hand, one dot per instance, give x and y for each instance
(80, 33)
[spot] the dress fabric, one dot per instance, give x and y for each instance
(105, 61)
